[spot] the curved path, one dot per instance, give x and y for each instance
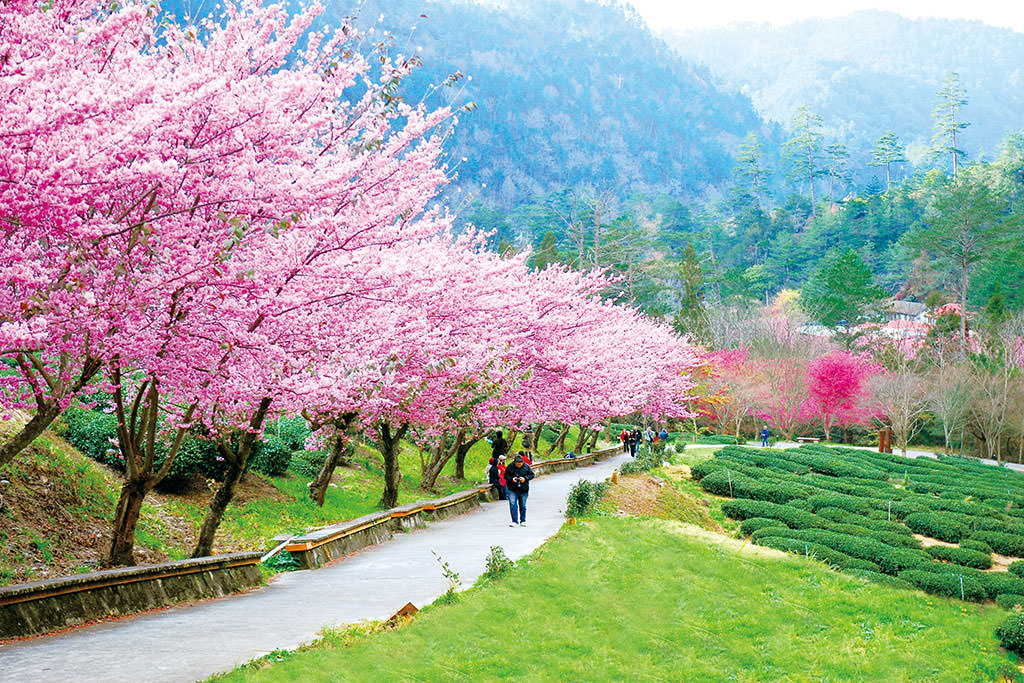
(192, 642)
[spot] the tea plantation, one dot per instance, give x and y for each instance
(858, 511)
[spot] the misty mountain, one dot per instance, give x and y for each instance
(564, 93)
(871, 72)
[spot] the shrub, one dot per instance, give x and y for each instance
(753, 524)
(815, 551)
(736, 485)
(1004, 544)
(307, 463)
(744, 508)
(271, 456)
(1011, 633)
(878, 577)
(196, 455)
(843, 502)
(498, 562)
(583, 496)
(961, 556)
(1010, 600)
(284, 561)
(980, 546)
(1001, 582)
(294, 431)
(94, 434)
(644, 461)
(890, 560)
(947, 584)
(937, 525)
(1017, 567)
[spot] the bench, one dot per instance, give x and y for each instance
(807, 439)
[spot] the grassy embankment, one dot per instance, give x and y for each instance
(646, 599)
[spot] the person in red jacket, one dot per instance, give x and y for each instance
(518, 476)
(624, 438)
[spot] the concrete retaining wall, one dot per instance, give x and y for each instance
(53, 604)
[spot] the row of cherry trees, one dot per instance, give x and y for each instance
(227, 222)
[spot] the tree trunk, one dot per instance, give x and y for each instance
(238, 464)
(460, 455)
(392, 473)
(592, 445)
(441, 455)
(559, 442)
(126, 516)
(43, 418)
(580, 439)
(339, 449)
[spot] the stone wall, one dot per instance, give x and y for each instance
(53, 604)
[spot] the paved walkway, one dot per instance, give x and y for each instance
(192, 642)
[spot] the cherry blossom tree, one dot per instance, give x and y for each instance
(838, 389)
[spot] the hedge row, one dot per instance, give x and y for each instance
(937, 525)
(744, 508)
(1004, 544)
(890, 560)
(950, 585)
(961, 556)
(816, 551)
(752, 524)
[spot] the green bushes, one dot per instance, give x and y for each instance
(937, 525)
(816, 551)
(974, 544)
(583, 496)
(1004, 544)
(271, 456)
(947, 584)
(744, 508)
(733, 484)
(961, 556)
(753, 524)
(307, 463)
(1010, 600)
(1011, 633)
(888, 559)
(645, 460)
(93, 433)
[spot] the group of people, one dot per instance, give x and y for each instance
(512, 481)
(632, 438)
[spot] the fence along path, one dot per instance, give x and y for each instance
(192, 642)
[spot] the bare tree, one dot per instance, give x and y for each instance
(901, 398)
(949, 398)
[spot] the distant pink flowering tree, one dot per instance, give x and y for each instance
(838, 389)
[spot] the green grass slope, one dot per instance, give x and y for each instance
(627, 599)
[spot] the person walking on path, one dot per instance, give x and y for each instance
(649, 438)
(634, 440)
(499, 446)
(495, 476)
(663, 435)
(624, 438)
(764, 436)
(517, 477)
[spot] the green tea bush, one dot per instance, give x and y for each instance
(890, 560)
(946, 584)
(744, 508)
(644, 461)
(980, 546)
(1004, 544)
(961, 556)
(816, 551)
(1011, 633)
(736, 485)
(753, 524)
(1017, 567)
(583, 495)
(840, 501)
(271, 456)
(1002, 582)
(878, 577)
(937, 525)
(1010, 600)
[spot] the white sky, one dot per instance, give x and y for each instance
(682, 15)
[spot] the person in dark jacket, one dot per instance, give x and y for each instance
(517, 478)
(635, 437)
(495, 478)
(499, 446)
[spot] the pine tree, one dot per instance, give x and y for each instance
(888, 151)
(949, 101)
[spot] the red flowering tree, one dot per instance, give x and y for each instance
(838, 389)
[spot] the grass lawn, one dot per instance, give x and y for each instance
(627, 599)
